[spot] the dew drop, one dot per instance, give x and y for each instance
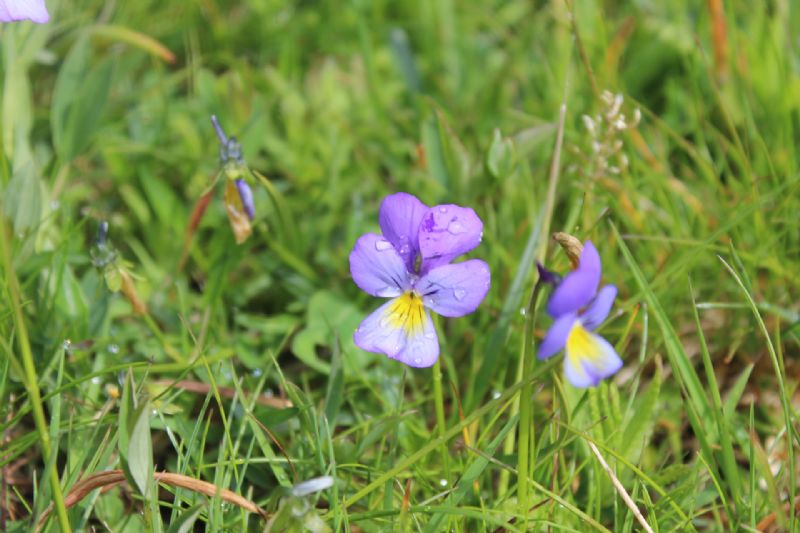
(523, 311)
(456, 228)
(430, 335)
(417, 361)
(405, 249)
(387, 292)
(97, 380)
(443, 482)
(495, 394)
(459, 293)
(443, 209)
(113, 348)
(257, 372)
(382, 245)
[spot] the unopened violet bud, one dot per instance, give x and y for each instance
(102, 233)
(548, 276)
(246, 196)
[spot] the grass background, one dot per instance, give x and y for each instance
(242, 373)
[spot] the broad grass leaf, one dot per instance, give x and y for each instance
(140, 450)
(79, 98)
(24, 198)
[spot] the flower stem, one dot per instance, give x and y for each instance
(438, 397)
(527, 442)
(527, 446)
(31, 379)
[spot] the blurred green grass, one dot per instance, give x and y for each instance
(338, 104)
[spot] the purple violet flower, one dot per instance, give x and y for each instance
(16, 10)
(578, 308)
(411, 264)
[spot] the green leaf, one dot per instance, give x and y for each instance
(140, 450)
(329, 316)
(24, 198)
(79, 98)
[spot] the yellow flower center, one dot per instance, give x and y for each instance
(407, 313)
(581, 345)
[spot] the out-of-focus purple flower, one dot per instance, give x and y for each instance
(16, 10)
(238, 200)
(578, 308)
(410, 263)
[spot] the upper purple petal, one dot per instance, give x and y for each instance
(446, 232)
(16, 10)
(599, 307)
(377, 268)
(376, 333)
(400, 216)
(556, 336)
(456, 289)
(579, 286)
(246, 195)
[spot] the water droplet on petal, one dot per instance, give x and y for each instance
(387, 292)
(459, 293)
(456, 228)
(405, 249)
(430, 335)
(382, 245)
(443, 209)
(417, 361)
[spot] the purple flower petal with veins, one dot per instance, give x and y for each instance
(17, 10)
(411, 263)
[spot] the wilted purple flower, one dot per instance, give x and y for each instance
(16, 10)
(578, 308)
(410, 263)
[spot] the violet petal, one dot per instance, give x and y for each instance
(400, 216)
(578, 287)
(377, 268)
(556, 336)
(589, 358)
(385, 331)
(446, 232)
(16, 10)
(599, 307)
(456, 289)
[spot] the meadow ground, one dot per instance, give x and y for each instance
(142, 374)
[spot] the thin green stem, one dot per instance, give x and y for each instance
(526, 444)
(438, 397)
(31, 379)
